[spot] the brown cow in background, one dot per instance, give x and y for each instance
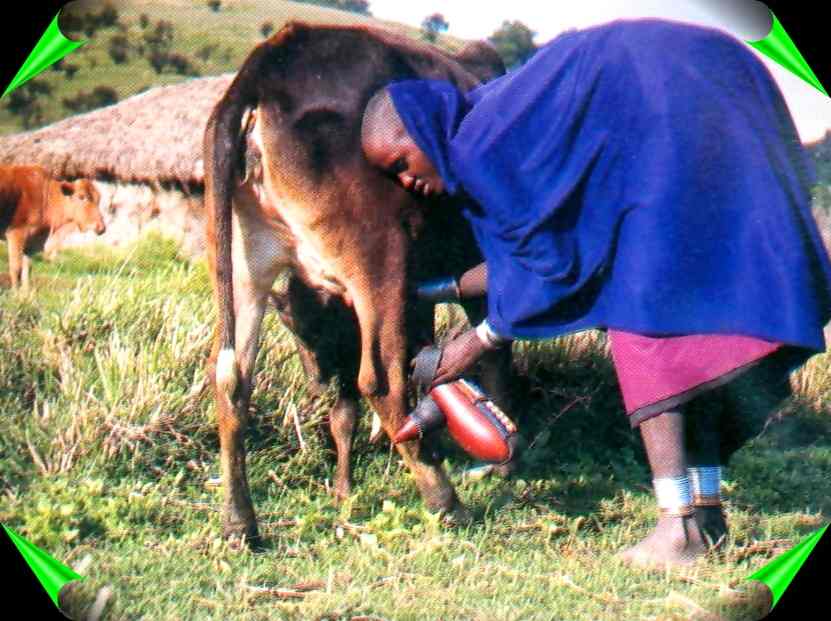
(314, 205)
(33, 205)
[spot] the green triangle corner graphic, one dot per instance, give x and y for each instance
(780, 572)
(51, 47)
(52, 574)
(779, 47)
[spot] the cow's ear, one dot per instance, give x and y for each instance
(67, 188)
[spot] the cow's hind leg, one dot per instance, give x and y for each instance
(256, 263)
(232, 413)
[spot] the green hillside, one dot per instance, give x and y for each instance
(211, 42)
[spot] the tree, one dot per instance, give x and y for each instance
(266, 28)
(433, 25)
(353, 6)
(515, 43)
(215, 5)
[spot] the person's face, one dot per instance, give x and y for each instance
(398, 155)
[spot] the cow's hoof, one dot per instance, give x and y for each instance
(242, 533)
(341, 492)
(456, 516)
(505, 470)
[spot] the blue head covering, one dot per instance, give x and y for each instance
(641, 175)
(431, 111)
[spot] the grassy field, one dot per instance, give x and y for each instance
(108, 443)
(214, 42)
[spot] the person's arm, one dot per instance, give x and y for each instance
(472, 284)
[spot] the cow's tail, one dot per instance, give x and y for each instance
(221, 154)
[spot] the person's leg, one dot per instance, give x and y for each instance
(676, 538)
(703, 417)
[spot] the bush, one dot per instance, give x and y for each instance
(215, 5)
(83, 19)
(25, 102)
(119, 49)
(181, 64)
(69, 70)
(159, 40)
(206, 51)
(84, 102)
(266, 28)
(158, 43)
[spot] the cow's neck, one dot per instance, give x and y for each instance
(54, 212)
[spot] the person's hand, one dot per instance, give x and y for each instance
(458, 356)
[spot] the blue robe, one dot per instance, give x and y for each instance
(640, 175)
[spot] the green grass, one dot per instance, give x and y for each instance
(108, 438)
(233, 32)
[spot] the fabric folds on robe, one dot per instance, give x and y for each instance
(642, 175)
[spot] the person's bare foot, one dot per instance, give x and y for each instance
(674, 541)
(712, 524)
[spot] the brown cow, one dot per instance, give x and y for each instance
(33, 205)
(319, 209)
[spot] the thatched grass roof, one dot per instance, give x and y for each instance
(155, 137)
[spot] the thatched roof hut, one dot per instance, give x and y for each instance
(154, 137)
(145, 155)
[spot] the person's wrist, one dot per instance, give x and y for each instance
(490, 339)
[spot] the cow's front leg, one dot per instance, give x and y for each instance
(420, 458)
(25, 270)
(16, 242)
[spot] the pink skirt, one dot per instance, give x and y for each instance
(659, 374)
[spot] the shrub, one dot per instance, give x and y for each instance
(119, 49)
(205, 52)
(266, 28)
(181, 64)
(84, 102)
(25, 102)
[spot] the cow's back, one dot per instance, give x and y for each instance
(21, 191)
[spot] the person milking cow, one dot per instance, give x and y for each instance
(643, 177)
